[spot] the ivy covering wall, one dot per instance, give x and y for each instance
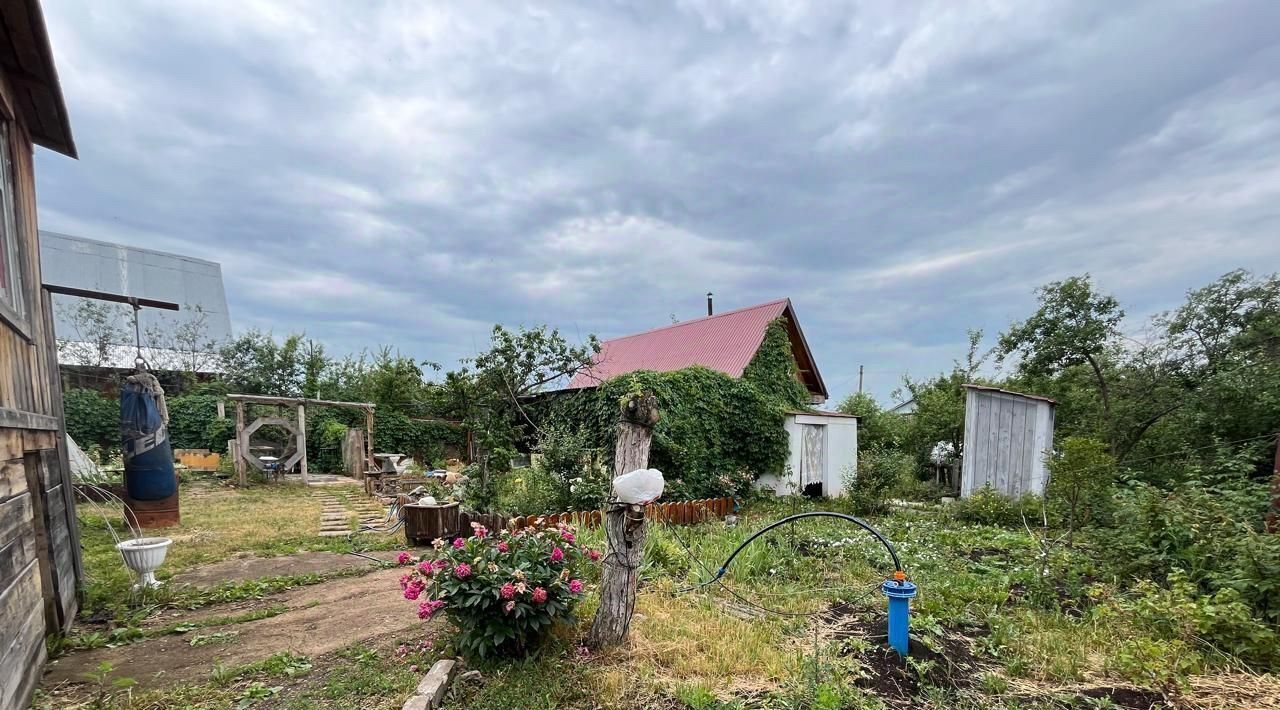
(717, 433)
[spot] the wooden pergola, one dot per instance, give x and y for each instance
(244, 457)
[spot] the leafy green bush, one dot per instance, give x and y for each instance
(987, 507)
(529, 491)
(1222, 620)
(1210, 534)
(1081, 481)
(878, 471)
(716, 433)
(92, 420)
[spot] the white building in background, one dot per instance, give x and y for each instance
(170, 338)
(1007, 437)
(823, 446)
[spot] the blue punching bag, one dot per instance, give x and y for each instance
(148, 455)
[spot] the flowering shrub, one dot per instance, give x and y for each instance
(501, 591)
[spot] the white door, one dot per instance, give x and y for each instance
(813, 458)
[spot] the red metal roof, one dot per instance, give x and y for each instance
(725, 342)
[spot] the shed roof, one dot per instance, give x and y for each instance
(27, 60)
(988, 388)
(725, 342)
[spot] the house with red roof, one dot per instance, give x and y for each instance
(725, 342)
(822, 444)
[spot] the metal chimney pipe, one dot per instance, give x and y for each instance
(710, 311)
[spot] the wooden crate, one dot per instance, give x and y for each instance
(424, 523)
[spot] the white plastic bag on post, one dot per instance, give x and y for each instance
(639, 487)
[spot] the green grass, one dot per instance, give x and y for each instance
(266, 520)
(1034, 636)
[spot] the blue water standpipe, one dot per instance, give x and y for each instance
(899, 592)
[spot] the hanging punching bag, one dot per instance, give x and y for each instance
(148, 455)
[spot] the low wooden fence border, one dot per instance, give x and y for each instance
(686, 512)
(422, 525)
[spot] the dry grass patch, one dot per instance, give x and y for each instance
(684, 641)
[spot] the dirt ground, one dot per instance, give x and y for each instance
(240, 569)
(318, 619)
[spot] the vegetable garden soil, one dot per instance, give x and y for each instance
(316, 620)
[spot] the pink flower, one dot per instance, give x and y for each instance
(594, 555)
(479, 531)
(426, 568)
(441, 563)
(508, 591)
(462, 570)
(575, 586)
(404, 558)
(429, 607)
(404, 580)
(458, 543)
(557, 555)
(509, 606)
(539, 595)
(503, 546)
(414, 590)
(566, 535)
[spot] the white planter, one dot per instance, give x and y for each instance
(144, 556)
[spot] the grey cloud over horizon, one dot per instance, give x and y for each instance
(411, 173)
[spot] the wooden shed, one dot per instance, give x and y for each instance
(1007, 436)
(39, 546)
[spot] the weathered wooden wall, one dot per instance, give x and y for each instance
(1006, 439)
(39, 547)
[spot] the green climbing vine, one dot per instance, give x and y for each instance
(717, 433)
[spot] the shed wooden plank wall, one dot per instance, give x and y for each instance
(39, 545)
(1007, 437)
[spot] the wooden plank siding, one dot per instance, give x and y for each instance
(39, 546)
(1007, 437)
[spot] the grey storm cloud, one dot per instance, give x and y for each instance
(411, 173)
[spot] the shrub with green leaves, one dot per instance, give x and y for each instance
(1215, 623)
(878, 471)
(502, 592)
(1210, 534)
(1081, 480)
(988, 507)
(92, 420)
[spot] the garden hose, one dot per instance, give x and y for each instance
(899, 573)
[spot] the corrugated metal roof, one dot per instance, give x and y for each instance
(194, 284)
(725, 342)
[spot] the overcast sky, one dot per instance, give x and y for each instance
(413, 172)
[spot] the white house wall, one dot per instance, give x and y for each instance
(841, 451)
(1006, 439)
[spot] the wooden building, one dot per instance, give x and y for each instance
(1007, 437)
(39, 546)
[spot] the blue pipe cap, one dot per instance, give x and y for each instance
(898, 590)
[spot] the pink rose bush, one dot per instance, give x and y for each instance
(502, 591)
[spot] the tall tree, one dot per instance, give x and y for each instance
(1073, 325)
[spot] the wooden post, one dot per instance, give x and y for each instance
(370, 463)
(242, 448)
(624, 526)
(302, 440)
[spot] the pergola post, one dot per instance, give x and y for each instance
(369, 462)
(241, 474)
(302, 440)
